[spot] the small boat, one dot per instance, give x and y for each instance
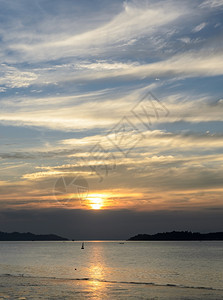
(82, 247)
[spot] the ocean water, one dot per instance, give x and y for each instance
(111, 270)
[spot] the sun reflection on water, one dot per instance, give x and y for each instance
(96, 270)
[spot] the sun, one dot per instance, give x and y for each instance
(95, 202)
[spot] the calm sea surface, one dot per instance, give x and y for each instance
(110, 270)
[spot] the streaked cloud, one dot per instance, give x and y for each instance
(135, 21)
(199, 27)
(212, 3)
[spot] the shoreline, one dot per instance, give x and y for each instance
(23, 287)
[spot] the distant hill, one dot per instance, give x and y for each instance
(28, 236)
(179, 236)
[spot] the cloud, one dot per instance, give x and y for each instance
(199, 27)
(136, 20)
(162, 162)
(11, 77)
(212, 3)
(97, 54)
(34, 154)
(187, 65)
(91, 111)
(200, 63)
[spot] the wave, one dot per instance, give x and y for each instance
(112, 281)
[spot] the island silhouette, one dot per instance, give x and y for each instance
(164, 236)
(28, 236)
(179, 236)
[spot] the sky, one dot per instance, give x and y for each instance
(111, 117)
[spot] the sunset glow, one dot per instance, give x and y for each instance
(95, 202)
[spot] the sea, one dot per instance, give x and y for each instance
(111, 270)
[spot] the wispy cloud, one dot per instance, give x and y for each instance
(11, 77)
(199, 27)
(135, 21)
(93, 110)
(212, 3)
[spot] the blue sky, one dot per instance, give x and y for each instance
(71, 70)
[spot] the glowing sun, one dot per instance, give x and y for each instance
(95, 202)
